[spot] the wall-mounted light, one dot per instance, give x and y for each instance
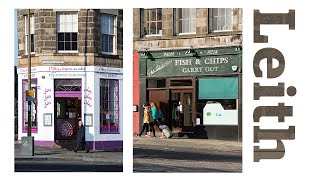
(191, 51)
(146, 55)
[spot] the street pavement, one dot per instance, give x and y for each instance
(59, 160)
(186, 155)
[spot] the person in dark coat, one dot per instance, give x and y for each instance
(80, 138)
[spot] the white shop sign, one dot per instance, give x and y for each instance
(214, 114)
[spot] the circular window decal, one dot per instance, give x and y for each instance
(66, 129)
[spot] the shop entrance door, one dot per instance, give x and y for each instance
(159, 98)
(67, 116)
(181, 107)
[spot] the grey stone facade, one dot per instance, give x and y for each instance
(89, 38)
(202, 37)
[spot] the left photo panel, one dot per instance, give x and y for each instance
(68, 90)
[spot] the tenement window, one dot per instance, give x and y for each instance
(152, 21)
(108, 32)
(109, 106)
(67, 31)
(31, 33)
(220, 19)
(185, 20)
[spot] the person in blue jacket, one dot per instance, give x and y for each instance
(157, 116)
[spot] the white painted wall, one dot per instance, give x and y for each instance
(90, 80)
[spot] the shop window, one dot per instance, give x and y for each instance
(109, 106)
(187, 82)
(108, 32)
(67, 31)
(185, 20)
(227, 104)
(34, 121)
(220, 19)
(152, 21)
(31, 33)
(156, 83)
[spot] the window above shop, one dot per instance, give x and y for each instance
(152, 22)
(221, 19)
(185, 21)
(108, 31)
(67, 31)
(31, 33)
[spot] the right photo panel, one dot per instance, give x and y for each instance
(187, 90)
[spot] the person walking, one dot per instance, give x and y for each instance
(147, 118)
(157, 116)
(80, 138)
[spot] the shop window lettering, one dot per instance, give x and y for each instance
(281, 111)
(87, 97)
(46, 97)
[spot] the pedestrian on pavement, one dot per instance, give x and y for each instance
(157, 116)
(147, 120)
(80, 138)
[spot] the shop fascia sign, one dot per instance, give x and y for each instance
(189, 52)
(71, 69)
(222, 64)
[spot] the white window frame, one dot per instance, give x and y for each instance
(190, 19)
(61, 28)
(156, 21)
(114, 48)
(212, 22)
(26, 33)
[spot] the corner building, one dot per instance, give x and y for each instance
(77, 60)
(189, 62)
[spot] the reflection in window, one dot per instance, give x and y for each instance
(185, 20)
(221, 19)
(33, 105)
(108, 33)
(31, 33)
(152, 21)
(109, 106)
(67, 31)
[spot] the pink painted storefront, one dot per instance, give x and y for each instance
(65, 95)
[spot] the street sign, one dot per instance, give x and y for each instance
(30, 95)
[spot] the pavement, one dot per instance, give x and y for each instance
(59, 154)
(187, 143)
(182, 154)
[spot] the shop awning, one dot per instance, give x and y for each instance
(218, 88)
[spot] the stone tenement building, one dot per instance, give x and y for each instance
(77, 60)
(189, 62)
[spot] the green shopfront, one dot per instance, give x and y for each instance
(197, 90)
